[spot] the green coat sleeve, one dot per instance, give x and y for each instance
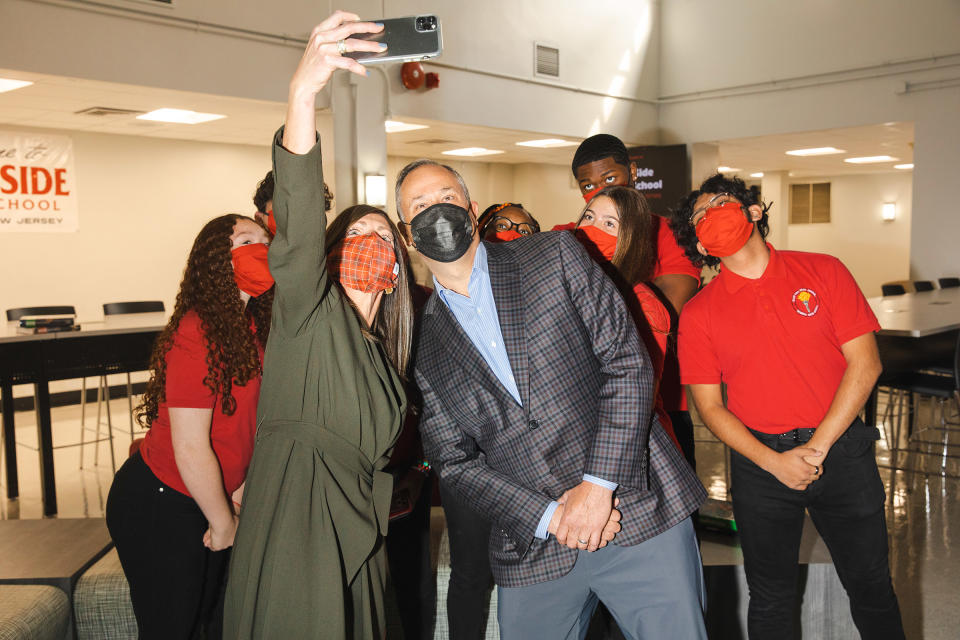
(297, 257)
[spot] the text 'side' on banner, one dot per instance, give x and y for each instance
(38, 190)
(662, 175)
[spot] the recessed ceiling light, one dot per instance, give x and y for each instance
(908, 165)
(10, 85)
(727, 170)
(870, 159)
(395, 126)
(816, 151)
(547, 143)
(758, 174)
(471, 151)
(179, 116)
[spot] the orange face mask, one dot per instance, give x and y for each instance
(599, 244)
(505, 236)
(724, 230)
(588, 196)
(250, 269)
(271, 222)
(365, 263)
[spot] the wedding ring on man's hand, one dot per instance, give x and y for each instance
(341, 47)
(816, 470)
(583, 541)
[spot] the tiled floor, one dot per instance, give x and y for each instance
(923, 507)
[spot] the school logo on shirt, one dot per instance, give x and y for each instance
(806, 302)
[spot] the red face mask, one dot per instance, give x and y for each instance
(365, 263)
(599, 244)
(250, 268)
(724, 230)
(588, 196)
(271, 222)
(505, 236)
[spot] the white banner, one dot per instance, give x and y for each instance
(38, 188)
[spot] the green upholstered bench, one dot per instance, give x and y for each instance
(101, 602)
(33, 612)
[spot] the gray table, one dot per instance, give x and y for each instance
(52, 552)
(918, 315)
(115, 345)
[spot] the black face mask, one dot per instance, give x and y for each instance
(442, 232)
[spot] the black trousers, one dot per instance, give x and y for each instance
(847, 506)
(408, 552)
(176, 584)
(468, 595)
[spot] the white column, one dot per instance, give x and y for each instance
(775, 188)
(360, 142)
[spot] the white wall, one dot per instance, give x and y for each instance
(237, 48)
(141, 202)
(875, 251)
(811, 66)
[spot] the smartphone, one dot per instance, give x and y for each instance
(408, 39)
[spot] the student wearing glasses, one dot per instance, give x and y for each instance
(506, 221)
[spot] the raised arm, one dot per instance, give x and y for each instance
(297, 256)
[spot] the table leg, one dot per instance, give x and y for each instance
(48, 483)
(10, 440)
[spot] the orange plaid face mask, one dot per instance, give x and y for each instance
(365, 263)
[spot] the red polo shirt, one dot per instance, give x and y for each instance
(232, 437)
(670, 257)
(775, 341)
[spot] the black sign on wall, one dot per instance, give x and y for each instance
(663, 175)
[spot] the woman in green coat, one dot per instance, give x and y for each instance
(308, 560)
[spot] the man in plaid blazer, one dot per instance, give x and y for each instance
(537, 396)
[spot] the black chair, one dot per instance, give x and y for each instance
(942, 389)
(119, 308)
(891, 289)
(922, 285)
(61, 310)
(116, 309)
(949, 283)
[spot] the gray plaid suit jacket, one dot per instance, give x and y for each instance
(586, 384)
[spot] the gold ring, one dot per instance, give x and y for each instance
(341, 47)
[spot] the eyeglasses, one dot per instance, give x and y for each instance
(499, 223)
(715, 201)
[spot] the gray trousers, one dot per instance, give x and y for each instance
(653, 589)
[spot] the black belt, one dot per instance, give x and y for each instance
(857, 430)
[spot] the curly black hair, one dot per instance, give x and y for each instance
(264, 194)
(680, 216)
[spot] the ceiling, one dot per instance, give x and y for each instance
(53, 102)
(767, 153)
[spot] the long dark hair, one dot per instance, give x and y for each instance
(209, 289)
(636, 254)
(393, 324)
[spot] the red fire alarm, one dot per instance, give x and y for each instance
(433, 80)
(412, 76)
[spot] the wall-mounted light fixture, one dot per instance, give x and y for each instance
(889, 211)
(375, 190)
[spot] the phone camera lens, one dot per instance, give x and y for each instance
(426, 23)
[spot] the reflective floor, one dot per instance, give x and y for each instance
(923, 505)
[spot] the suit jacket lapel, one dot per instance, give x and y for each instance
(505, 282)
(457, 344)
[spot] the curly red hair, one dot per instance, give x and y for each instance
(209, 289)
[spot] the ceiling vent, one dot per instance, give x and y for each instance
(546, 60)
(107, 111)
